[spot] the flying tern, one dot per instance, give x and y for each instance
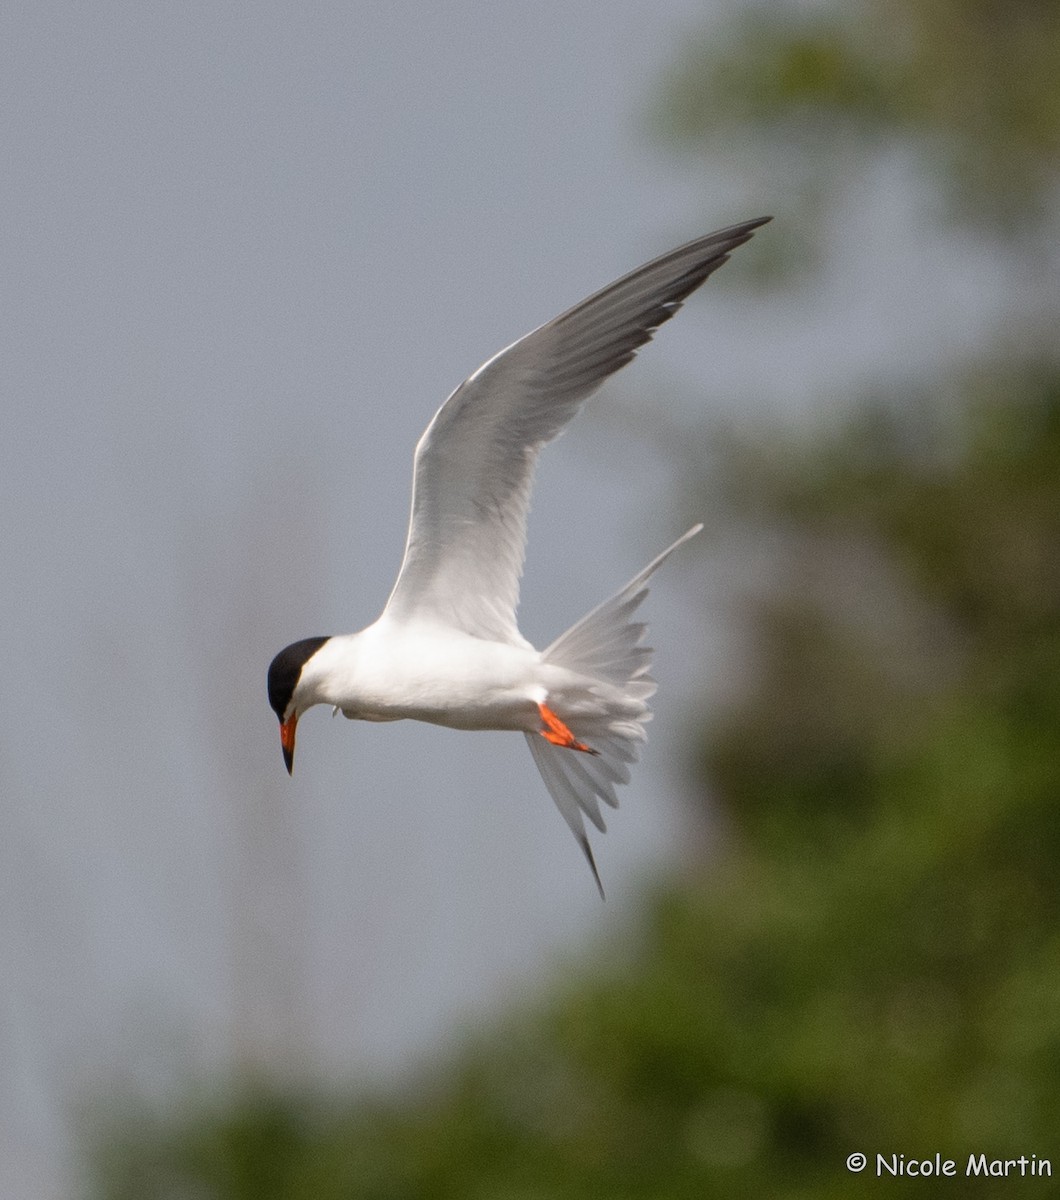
(447, 648)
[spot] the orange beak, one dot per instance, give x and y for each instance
(287, 729)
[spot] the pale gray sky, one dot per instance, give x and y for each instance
(246, 251)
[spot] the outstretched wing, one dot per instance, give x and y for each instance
(474, 464)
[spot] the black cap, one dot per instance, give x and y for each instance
(286, 669)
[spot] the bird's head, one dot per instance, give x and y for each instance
(287, 694)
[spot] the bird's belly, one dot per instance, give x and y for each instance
(492, 710)
(463, 684)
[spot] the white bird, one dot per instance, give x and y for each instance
(447, 648)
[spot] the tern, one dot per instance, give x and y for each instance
(447, 647)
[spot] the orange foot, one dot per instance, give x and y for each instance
(558, 734)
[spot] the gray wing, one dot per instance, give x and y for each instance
(474, 464)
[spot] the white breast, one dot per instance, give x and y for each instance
(429, 673)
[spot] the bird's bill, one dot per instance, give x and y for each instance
(287, 729)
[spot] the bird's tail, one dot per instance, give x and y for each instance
(605, 646)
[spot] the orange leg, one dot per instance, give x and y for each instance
(558, 734)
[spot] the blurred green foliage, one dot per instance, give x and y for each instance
(871, 959)
(969, 85)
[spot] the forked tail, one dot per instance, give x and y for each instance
(605, 646)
